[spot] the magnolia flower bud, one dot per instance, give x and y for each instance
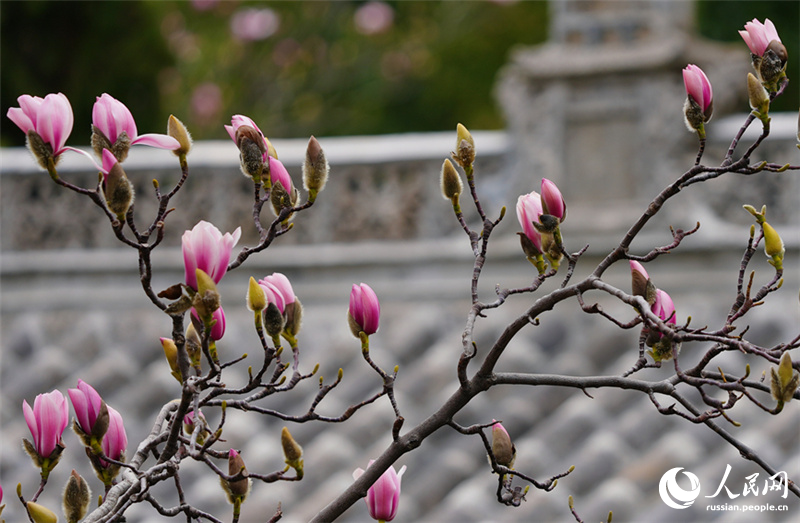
(76, 498)
(315, 169)
(502, 448)
(293, 314)
(177, 130)
(699, 99)
(236, 490)
(40, 514)
(281, 199)
(785, 381)
(256, 298)
(206, 301)
(759, 97)
(273, 320)
(292, 452)
(450, 183)
(773, 244)
(171, 352)
(465, 147)
(552, 201)
(189, 425)
(365, 310)
(251, 151)
(118, 189)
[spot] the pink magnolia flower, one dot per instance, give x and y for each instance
(277, 171)
(383, 497)
(205, 247)
(552, 201)
(663, 307)
(109, 161)
(365, 310)
(238, 120)
(113, 118)
(529, 208)
(50, 117)
(46, 421)
(218, 330)
(278, 290)
(115, 441)
(86, 402)
(697, 86)
(757, 36)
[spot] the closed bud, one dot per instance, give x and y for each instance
(189, 425)
(40, 514)
(171, 352)
(256, 298)
(450, 183)
(465, 147)
(251, 151)
(294, 317)
(292, 452)
(76, 499)
(759, 98)
(118, 191)
(785, 381)
(785, 371)
(502, 448)
(278, 197)
(237, 490)
(205, 283)
(315, 169)
(773, 244)
(177, 130)
(273, 320)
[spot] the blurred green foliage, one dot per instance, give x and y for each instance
(314, 68)
(434, 64)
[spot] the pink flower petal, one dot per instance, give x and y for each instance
(161, 141)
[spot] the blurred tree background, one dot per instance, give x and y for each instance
(297, 68)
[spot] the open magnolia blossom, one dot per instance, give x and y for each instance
(758, 35)
(206, 248)
(114, 121)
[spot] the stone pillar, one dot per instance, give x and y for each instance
(598, 107)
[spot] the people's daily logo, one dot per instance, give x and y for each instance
(675, 496)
